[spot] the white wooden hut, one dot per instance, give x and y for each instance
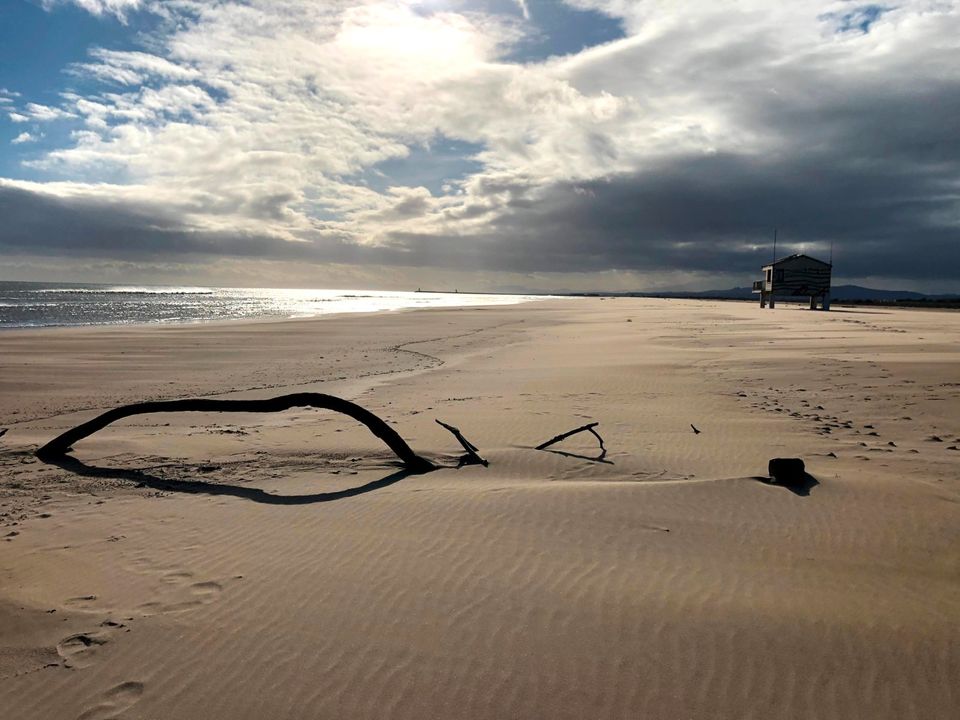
(795, 276)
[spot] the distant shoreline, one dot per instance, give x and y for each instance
(931, 304)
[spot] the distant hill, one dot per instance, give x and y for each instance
(855, 292)
(839, 293)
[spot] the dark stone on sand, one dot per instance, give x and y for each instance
(787, 471)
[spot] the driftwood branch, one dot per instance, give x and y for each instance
(589, 427)
(471, 458)
(61, 445)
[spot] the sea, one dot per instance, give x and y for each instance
(34, 305)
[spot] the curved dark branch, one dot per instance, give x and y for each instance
(61, 445)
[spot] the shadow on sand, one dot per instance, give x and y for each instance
(601, 458)
(199, 487)
(854, 311)
(802, 488)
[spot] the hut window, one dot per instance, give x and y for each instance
(769, 274)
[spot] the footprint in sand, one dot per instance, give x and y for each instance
(177, 577)
(83, 602)
(177, 591)
(114, 701)
(190, 598)
(78, 651)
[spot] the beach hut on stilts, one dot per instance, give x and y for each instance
(795, 276)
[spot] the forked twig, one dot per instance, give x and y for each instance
(471, 458)
(589, 427)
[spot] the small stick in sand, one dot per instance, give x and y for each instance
(695, 431)
(589, 427)
(471, 458)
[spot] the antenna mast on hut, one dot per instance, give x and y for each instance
(774, 245)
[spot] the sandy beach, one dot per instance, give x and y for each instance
(281, 566)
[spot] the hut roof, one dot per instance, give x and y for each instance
(795, 257)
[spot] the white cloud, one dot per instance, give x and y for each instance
(45, 113)
(132, 67)
(24, 137)
(118, 8)
(18, 117)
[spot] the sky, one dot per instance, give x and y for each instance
(498, 145)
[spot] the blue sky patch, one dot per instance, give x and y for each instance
(558, 29)
(859, 19)
(37, 47)
(445, 160)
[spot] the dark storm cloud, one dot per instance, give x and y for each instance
(42, 224)
(873, 168)
(717, 214)
(701, 213)
(899, 121)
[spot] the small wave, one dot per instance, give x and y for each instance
(127, 291)
(26, 305)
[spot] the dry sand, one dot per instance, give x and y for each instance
(228, 579)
